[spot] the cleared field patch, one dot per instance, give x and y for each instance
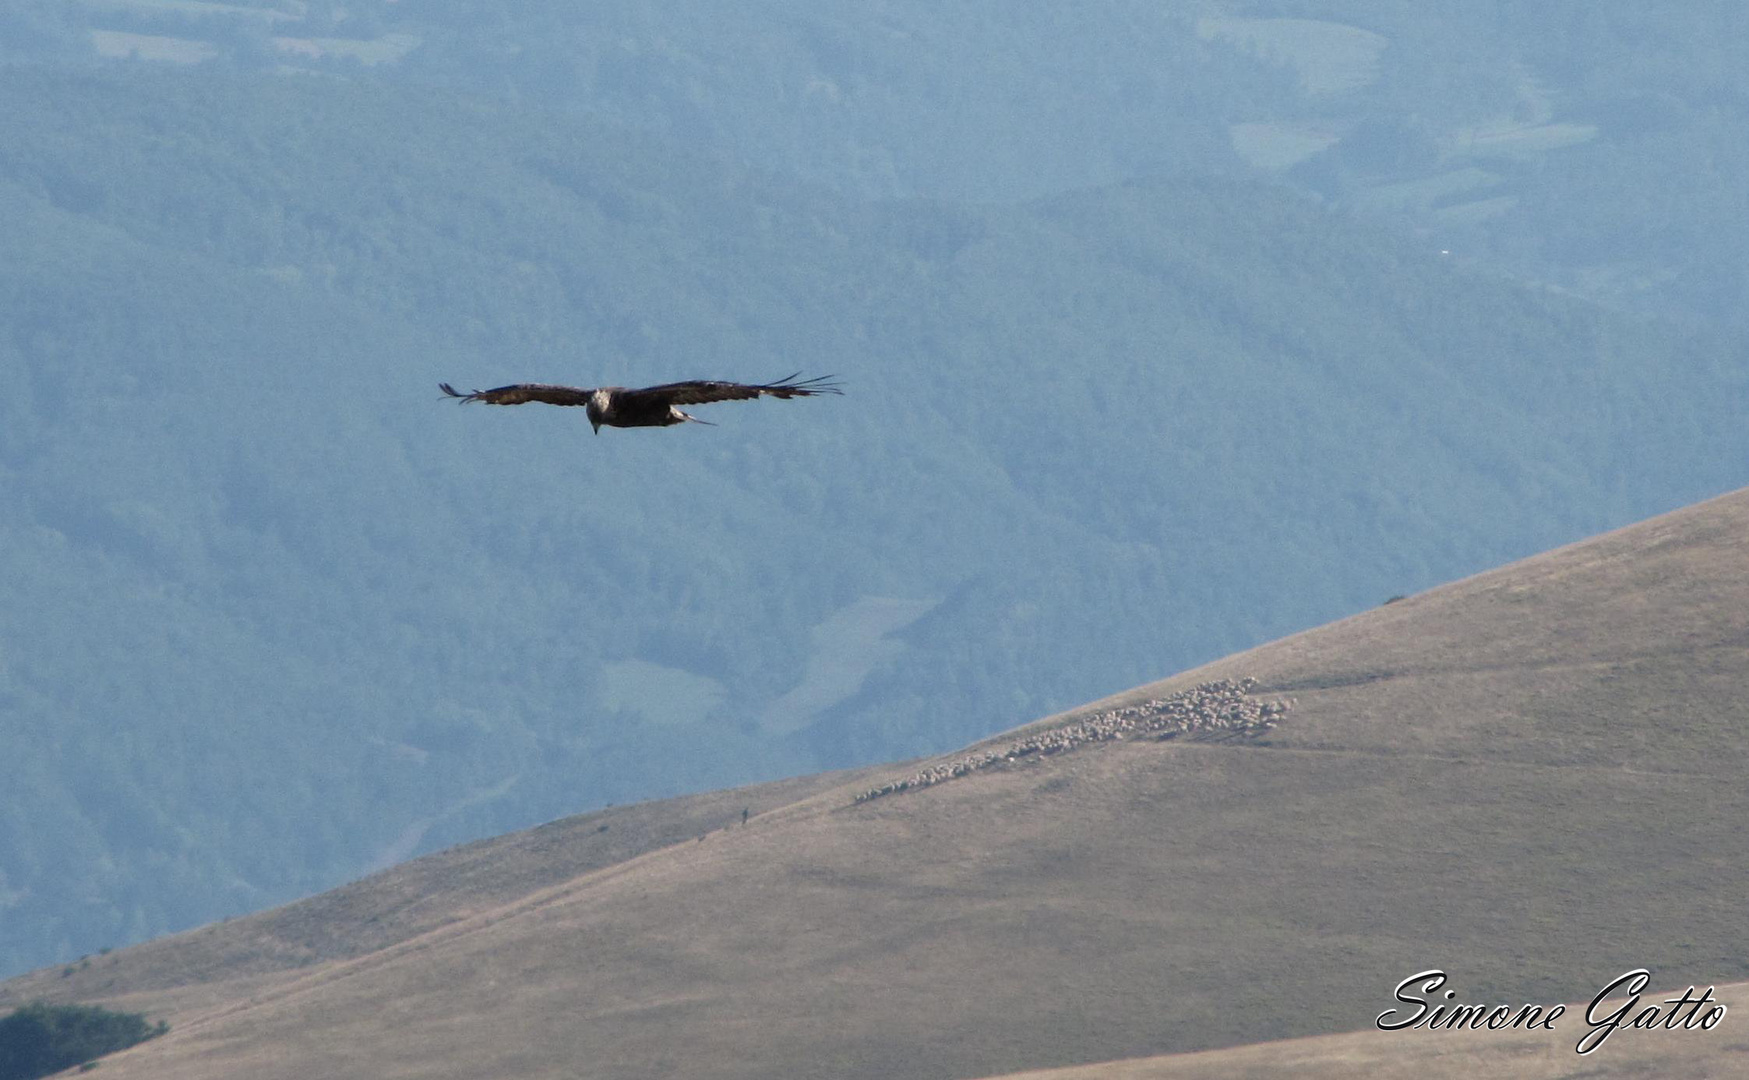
(1331, 58)
(118, 44)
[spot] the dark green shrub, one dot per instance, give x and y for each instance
(39, 1038)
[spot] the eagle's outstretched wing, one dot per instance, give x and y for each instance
(522, 393)
(701, 391)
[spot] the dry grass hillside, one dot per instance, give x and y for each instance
(1626, 1054)
(183, 972)
(1531, 778)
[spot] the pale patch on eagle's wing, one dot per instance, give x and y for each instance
(701, 391)
(522, 393)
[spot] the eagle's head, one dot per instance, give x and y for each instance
(600, 403)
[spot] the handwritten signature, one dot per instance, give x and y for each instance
(1419, 989)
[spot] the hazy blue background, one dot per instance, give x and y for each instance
(1165, 330)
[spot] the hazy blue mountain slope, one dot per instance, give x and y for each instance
(275, 613)
(1587, 144)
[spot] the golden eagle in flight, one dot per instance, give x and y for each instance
(650, 406)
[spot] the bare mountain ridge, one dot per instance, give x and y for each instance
(1530, 778)
(399, 903)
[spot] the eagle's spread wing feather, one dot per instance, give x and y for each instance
(521, 393)
(702, 391)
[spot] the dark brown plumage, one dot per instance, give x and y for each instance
(650, 406)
